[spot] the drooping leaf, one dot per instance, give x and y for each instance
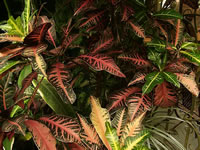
(102, 62)
(89, 133)
(26, 16)
(171, 77)
(138, 104)
(136, 59)
(164, 95)
(83, 5)
(119, 121)
(16, 124)
(192, 56)
(99, 116)
(65, 129)
(152, 79)
(51, 32)
(59, 76)
(8, 65)
(127, 12)
(30, 51)
(112, 137)
(51, 97)
(4, 37)
(137, 29)
(133, 142)
(189, 82)
(37, 35)
(132, 128)
(138, 77)
(168, 14)
(41, 135)
(17, 27)
(120, 98)
(7, 92)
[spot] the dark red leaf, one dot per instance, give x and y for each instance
(127, 12)
(11, 49)
(138, 77)
(165, 96)
(84, 4)
(37, 35)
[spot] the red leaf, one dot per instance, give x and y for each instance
(157, 24)
(64, 128)
(68, 40)
(102, 62)
(138, 77)
(84, 4)
(164, 95)
(127, 12)
(120, 98)
(179, 30)
(137, 29)
(27, 82)
(37, 35)
(138, 104)
(41, 135)
(74, 146)
(59, 76)
(11, 49)
(135, 59)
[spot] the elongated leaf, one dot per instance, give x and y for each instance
(51, 97)
(37, 35)
(26, 16)
(138, 104)
(132, 129)
(8, 143)
(83, 5)
(23, 74)
(59, 76)
(179, 32)
(39, 65)
(168, 14)
(135, 59)
(99, 116)
(102, 62)
(119, 121)
(192, 56)
(120, 98)
(4, 37)
(165, 96)
(65, 129)
(30, 51)
(7, 92)
(41, 135)
(17, 27)
(138, 77)
(152, 80)
(127, 12)
(137, 29)
(158, 44)
(11, 49)
(89, 133)
(133, 142)
(8, 65)
(16, 124)
(112, 137)
(172, 78)
(189, 82)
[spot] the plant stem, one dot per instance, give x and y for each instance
(7, 8)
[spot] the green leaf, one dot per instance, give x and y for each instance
(9, 65)
(52, 98)
(168, 14)
(133, 142)
(172, 78)
(190, 46)
(141, 148)
(152, 80)
(8, 144)
(23, 74)
(26, 16)
(158, 44)
(155, 57)
(17, 27)
(192, 56)
(111, 135)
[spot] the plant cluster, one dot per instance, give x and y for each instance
(136, 59)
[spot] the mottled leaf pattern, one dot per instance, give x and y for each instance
(138, 77)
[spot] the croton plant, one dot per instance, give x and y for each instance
(94, 80)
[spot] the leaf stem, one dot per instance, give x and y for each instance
(7, 8)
